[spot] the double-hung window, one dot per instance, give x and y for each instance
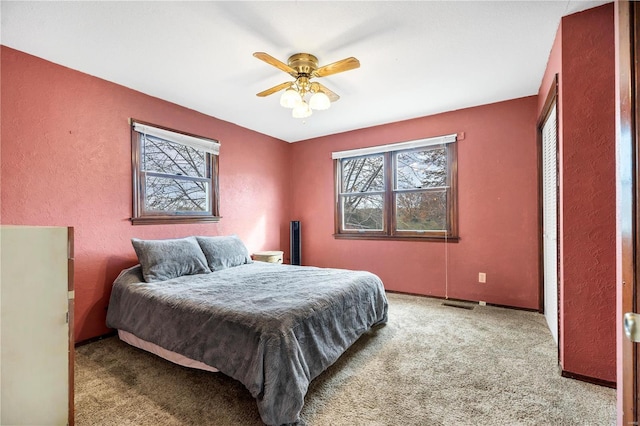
(397, 191)
(175, 176)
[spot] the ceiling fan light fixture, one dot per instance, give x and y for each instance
(290, 98)
(301, 110)
(319, 101)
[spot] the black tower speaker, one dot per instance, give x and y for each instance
(295, 243)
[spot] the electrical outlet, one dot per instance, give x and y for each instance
(482, 277)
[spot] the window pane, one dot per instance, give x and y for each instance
(163, 156)
(175, 195)
(363, 174)
(362, 212)
(421, 211)
(425, 168)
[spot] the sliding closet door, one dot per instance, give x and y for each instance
(549, 221)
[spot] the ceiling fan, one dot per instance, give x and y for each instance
(303, 67)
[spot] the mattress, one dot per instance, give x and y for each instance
(163, 353)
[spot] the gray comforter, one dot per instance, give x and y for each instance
(272, 327)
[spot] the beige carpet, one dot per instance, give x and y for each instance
(430, 365)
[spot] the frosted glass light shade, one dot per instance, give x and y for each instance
(290, 98)
(301, 110)
(319, 101)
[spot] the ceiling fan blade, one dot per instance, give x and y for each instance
(336, 67)
(332, 96)
(276, 63)
(275, 89)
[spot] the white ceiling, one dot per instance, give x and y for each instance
(417, 58)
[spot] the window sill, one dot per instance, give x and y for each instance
(162, 220)
(434, 238)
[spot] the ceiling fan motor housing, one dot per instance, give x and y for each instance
(304, 63)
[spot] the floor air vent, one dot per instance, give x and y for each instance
(458, 305)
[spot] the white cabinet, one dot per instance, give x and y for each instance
(36, 332)
(273, 256)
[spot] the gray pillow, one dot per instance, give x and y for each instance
(165, 259)
(224, 252)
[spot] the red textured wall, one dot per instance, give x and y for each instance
(554, 66)
(497, 200)
(588, 192)
(66, 160)
(583, 55)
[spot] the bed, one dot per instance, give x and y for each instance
(273, 327)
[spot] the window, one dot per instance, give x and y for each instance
(404, 190)
(175, 176)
